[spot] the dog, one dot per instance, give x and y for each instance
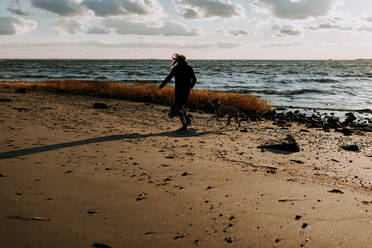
(223, 110)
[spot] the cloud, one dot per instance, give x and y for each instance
(101, 8)
(73, 26)
(60, 7)
(16, 26)
(169, 28)
(17, 11)
(123, 7)
(297, 9)
(235, 32)
(272, 45)
(286, 30)
(331, 25)
(194, 9)
(98, 44)
(97, 30)
(68, 26)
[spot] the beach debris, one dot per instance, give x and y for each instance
(352, 148)
(304, 225)
(367, 202)
(288, 144)
(20, 90)
(336, 191)
(185, 174)
(277, 240)
(244, 130)
(271, 170)
(297, 161)
(179, 236)
(150, 233)
(229, 240)
(346, 131)
(350, 118)
(2, 175)
(100, 245)
(231, 217)
(140, 197)
(5, 100)
(298, 217)
(35, 218)
(91, 212)
(99, 105)
(68, 172)
(170, 157)
(289, 200)
(209, 187)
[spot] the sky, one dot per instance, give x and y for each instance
(200, 29)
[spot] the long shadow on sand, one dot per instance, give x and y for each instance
(28, 151)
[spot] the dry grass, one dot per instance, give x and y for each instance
(143, 92)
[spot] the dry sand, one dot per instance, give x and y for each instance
(73, 176)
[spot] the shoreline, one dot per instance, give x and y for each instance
(123, 177)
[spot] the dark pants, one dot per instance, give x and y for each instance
(179, 108)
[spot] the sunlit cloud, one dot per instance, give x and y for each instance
(286, 30)
(60, 7)
(169, 28)
(17, 11)
(123, 7)
(296, 9)
(16, 26)
(75, 26)
(195, 9)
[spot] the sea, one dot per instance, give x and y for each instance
(332, 86)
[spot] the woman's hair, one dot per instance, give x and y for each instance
(177, 58)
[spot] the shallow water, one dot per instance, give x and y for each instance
(329, 85)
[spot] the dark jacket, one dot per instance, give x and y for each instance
(185, 80)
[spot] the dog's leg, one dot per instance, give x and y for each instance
(228, 120)
(237, 120)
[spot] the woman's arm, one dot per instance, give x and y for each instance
(167, 79)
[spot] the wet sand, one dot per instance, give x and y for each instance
(74, 176)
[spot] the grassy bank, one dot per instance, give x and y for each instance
(143, 92)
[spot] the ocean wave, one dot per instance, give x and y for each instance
(283, 92)
(318, 80)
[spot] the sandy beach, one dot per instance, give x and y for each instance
(74, 176)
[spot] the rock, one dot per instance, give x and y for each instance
(288, 144)
(333, 122)
(99, 245)
(179, 236)
(298, 217)
(353, 148)
(185, 174)
(140, 197)
(336, 191)
(209, 187)
(5, 100)
(228, 240)
(304, 225)
(297, 161)
(20, 90)
(346, 131)
(269, 115)
(99, 105)
(91, 212)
